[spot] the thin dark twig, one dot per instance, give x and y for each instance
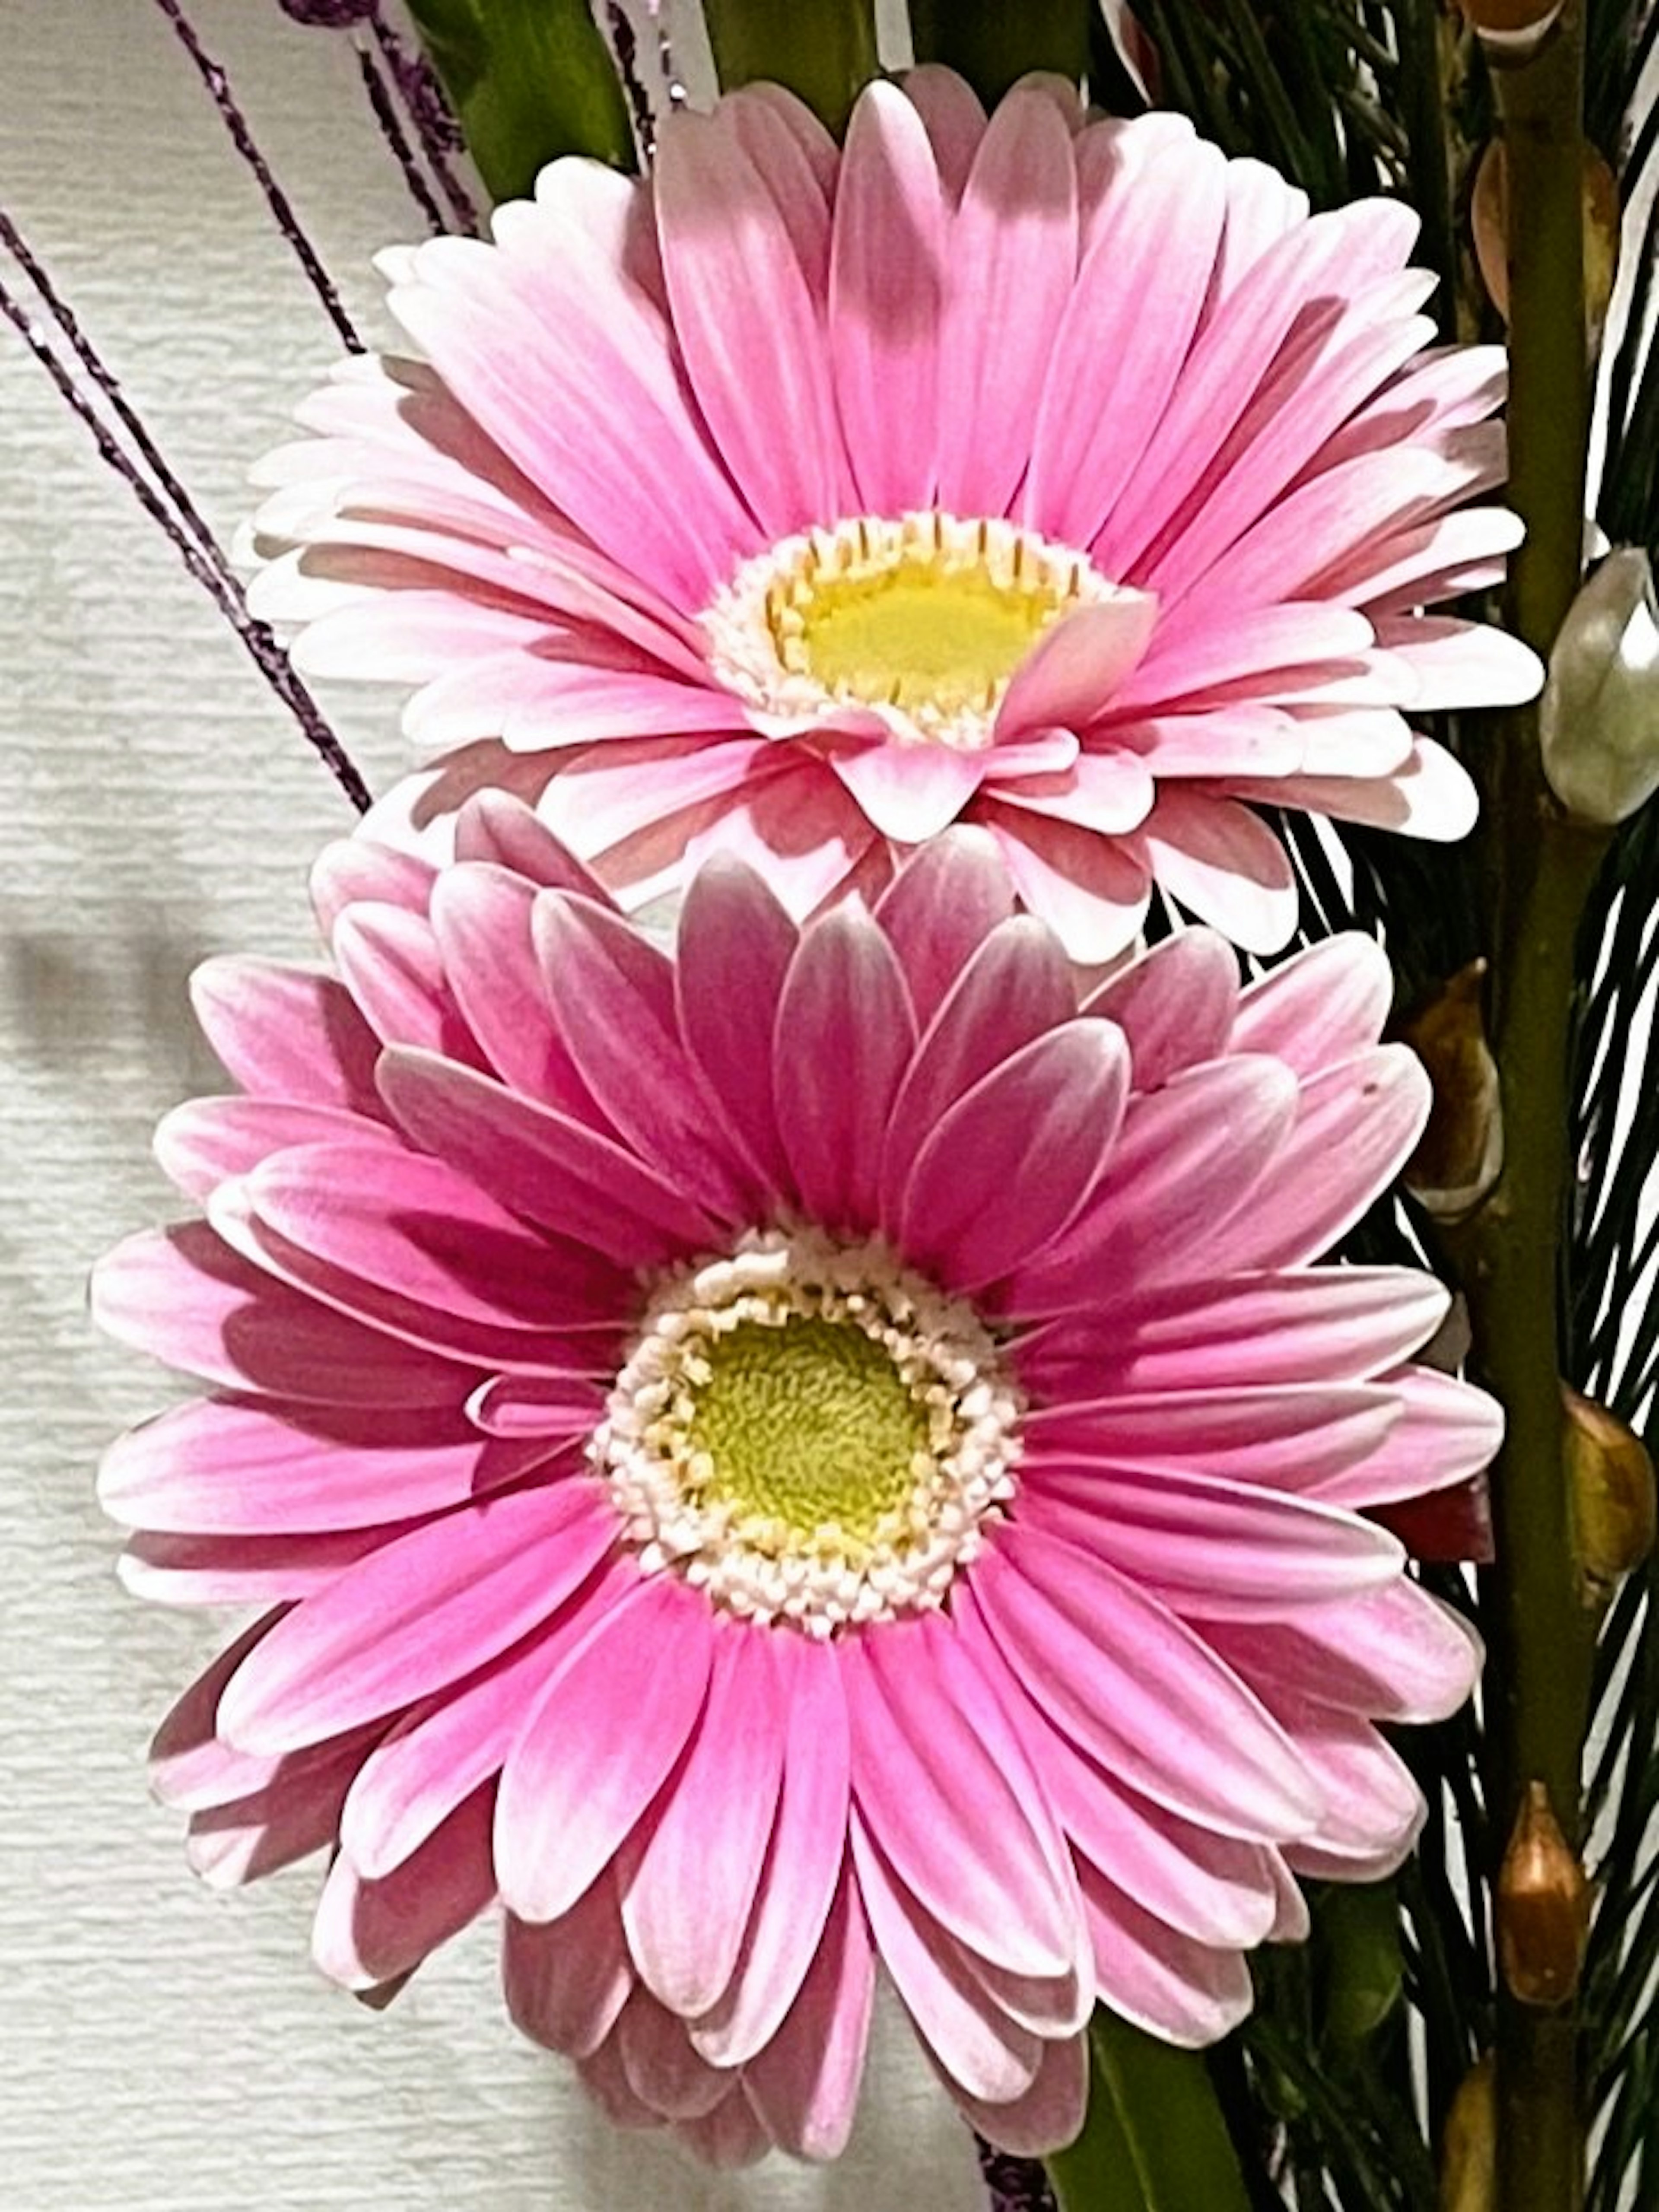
(203, 560)
(428, 112)
(625, 47)
(391, 130)
(213, 76)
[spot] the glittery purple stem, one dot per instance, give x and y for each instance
(275, 198)
(165, 499)
(1016, 2185)
(403, 153)
(429, 114)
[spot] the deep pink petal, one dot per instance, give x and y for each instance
(367, 1932)
(418, 1614)
(1324, 1005)
(1174, 1004)
(1184, 1992)
(599, 1744)
(804, 2083)
(710, 1838)
(567, 1980)
(735, 947)
(943, 902)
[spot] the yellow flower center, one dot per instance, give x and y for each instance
(925, 619)
(808, 1425)
(809, 1433)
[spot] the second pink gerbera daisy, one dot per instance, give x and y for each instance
(1065, 478)
(824, 1450)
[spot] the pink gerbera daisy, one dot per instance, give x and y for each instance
(826, 1449)
(1065, 478)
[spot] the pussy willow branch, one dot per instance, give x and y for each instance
(1538, 868)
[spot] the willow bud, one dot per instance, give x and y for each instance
(1543, 1907)
(1468, 2156)
(1460, 1155)
(1610, 1484)
(1598, 721)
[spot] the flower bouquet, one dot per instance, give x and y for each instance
(945, 1298)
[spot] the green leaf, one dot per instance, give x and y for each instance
(825, 54)
(993, 45)
(529, 80)
(1358, 1932)
(1154, 2139)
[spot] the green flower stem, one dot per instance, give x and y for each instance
(1539, 866)
(529, 80)
(1154, 2139)
(824, 53)
(992, 44)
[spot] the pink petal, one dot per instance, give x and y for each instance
(710, 1839)
(1210, 1547)
(1184, 1992)
(1396, 1654)
(975, 2041)
(551, 1168)
(1045, 2116)
(417, 1616)
(366, 1932)
(391, 963)
(1174, 1004)
(1013, 259)
(208, 1141)
(1120, 1676)
(910, 793)
(1007, 1168)
(605, 1734)
(1187, 1158)
(843, 1040)
(943, 902)
(185, 1298)
(297, 1812)
(755, 352)
(1090, 892)
(1224, 865)
(1113, 365)
(1069, 679)
(1461, 664)
(1324, 1005)
(497, 830)
(953, 119)
(231, 1466)
(735, 947)
(354, 869)
(662, 2068)
(613, 1001)
(567, 1980)
(944, 1783)
(1356, 1124)
(1288, 1436)
(1016, 986)
(804, 2084)
(285, 1034)
(803, 1867)
(1432, 796)
(1447, 1430)
(886, 278)
(1108, 792)
(481, 917)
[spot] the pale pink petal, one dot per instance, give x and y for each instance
(1072, 675)
(735, 947)
(944, 1784)
(1090, 893)
(1444, 1425)
(753, 352)
(1395, 1654)
(1107, 792)
(1044, 2117)
(1114, 366)
(1431, 796)
(242, 1839)
(910, 793)
(1015, 987)
(886, 281)
(1184, 1992)
(283, 1033)
(1224, 865)
(953, 119)
(1324, 1005)
(1239, 1431)
(208, 1141)
(1461, 664)
(1011, 265)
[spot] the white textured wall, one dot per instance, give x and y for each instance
(165, 2049)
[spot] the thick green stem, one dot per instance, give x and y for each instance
(993, 44)
(1539, 868)
(1154, 2139)
(824, 53)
